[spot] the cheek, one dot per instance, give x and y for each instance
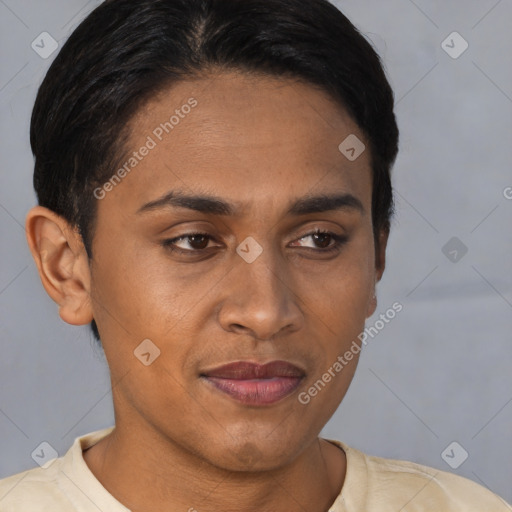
(340, 293)
(140, 290)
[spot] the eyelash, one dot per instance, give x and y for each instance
(339, 241)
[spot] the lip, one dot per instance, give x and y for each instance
(255, 384)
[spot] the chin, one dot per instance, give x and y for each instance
(256, 455)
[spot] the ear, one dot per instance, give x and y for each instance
(380, 264)
(62, 262)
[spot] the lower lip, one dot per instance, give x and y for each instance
(257, 391)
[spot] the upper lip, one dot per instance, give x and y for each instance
(242, 370)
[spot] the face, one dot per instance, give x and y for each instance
(208, 248)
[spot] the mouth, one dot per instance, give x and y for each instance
(255, 384)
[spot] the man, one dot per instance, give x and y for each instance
(214, 198)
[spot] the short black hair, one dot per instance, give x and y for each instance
(127, 51)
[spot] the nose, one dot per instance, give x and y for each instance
(260, 299)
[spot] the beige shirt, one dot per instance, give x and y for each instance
(372, 484)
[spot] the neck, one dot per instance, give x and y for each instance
(148, 472)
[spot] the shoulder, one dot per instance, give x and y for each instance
(413, 487)
(426, 485)
(63, 484)
(34, 489)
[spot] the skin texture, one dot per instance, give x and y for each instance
(179, 444)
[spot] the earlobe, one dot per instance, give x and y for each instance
(75, 311)
(62, 263)
(380, 253)
(372, 306)
(380, 265)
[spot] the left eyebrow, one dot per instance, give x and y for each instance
(325, 203)
(217, 206)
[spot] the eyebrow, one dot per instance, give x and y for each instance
(216, 206)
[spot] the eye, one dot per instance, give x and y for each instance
(326, 241)
(196, 242)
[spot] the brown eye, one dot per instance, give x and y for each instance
(323, 240)
(198, 241)
(190, 243)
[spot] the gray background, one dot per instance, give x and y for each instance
(440, 371)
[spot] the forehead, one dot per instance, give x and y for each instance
(249, 138)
